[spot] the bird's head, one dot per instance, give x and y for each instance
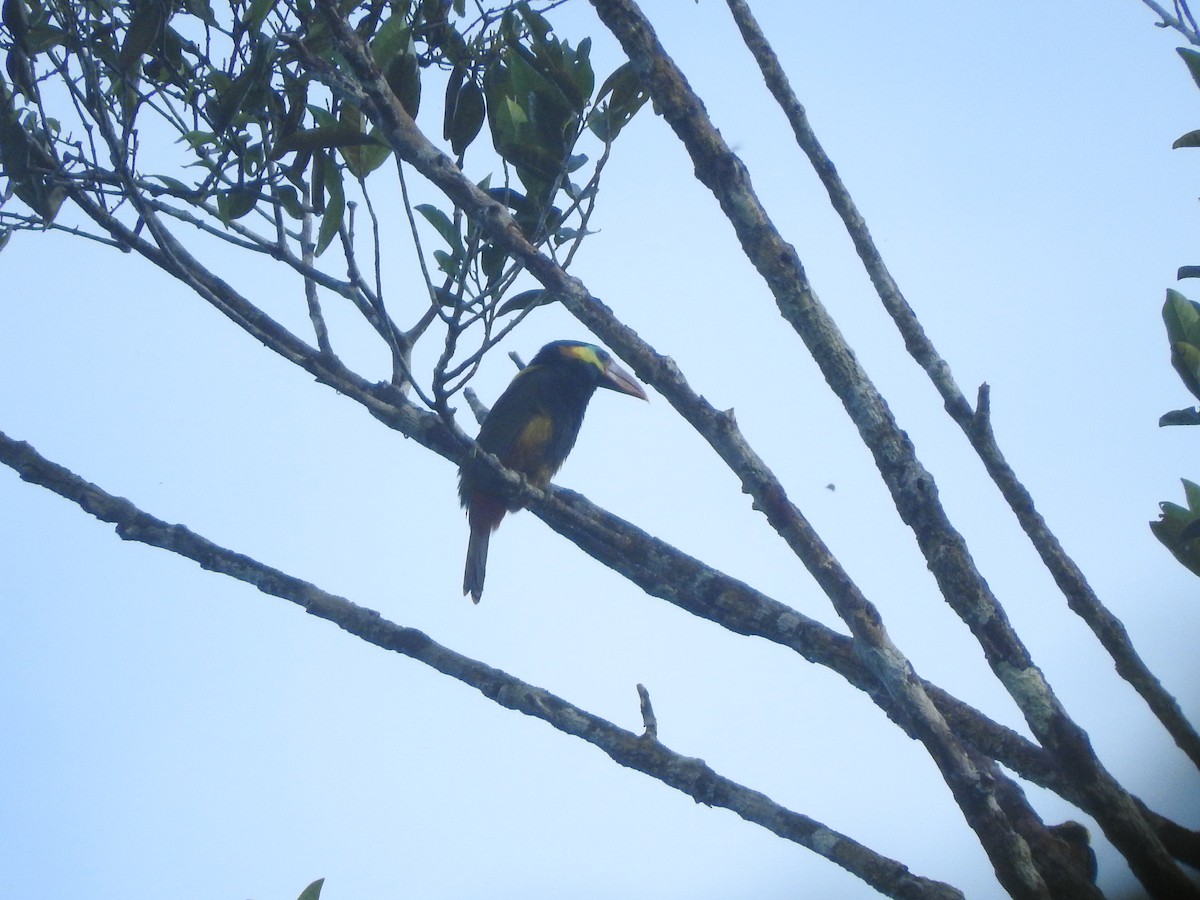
(592, 359)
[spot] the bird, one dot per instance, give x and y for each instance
(531, 428)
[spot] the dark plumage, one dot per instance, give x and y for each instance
(531, 429)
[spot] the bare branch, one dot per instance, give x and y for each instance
(1067, 575)
(649, 721)
(308, 248)
(911, 485)
(1182, 21)
(688, 775)
(965, 744)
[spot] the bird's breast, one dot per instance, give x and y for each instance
(531, 452)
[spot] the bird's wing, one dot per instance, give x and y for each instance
(520, 427)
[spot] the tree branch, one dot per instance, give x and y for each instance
(976, 425)
(911, 485)
(368, 89)
(1185, 28)
(648, 562)
(643, 753)
(655, 566)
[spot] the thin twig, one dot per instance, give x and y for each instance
(308, 250)
(1187, 29)
(649, 720)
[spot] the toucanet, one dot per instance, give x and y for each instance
(531, 428)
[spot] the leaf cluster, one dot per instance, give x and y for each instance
(1182, 318)
(1178, 528)
(273, 154)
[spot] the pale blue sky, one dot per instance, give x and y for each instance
(171, 733)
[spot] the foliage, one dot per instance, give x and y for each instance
(1179, 527)
(1182, 319)
(271, 155)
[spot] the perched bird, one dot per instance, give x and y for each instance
(531, 429)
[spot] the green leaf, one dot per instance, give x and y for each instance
(365, 154)
(374, 154)
(1192, 58)
(16, 63)
(492, 260)
(569, 70)
(313, 891)
(198, 139)
(525, 299)
(44, 36)
(331, 221)
(403, 76)
(396, 55)
(469, 115)
(1178, 529)
(1192, 491)
(625, 97)
(391, 39)
(447, 263)
(497, 89)
(145, 29)
(453, 84)
(326, 137)
(534, 21)
(289, 199)
(442, 224)
(42, 197)
(235, 203)
(1185, 358)
(16, 19)
(202, 10)
(1189, 416)
(335, 206)
(546, 105)
(585, 75)
(1182, 318)
(257, 14)
(1191, 139)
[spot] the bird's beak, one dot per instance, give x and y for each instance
(617, 379)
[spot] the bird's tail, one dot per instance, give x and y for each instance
(477, 548)
(484, 513)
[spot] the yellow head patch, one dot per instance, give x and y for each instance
(585, 353)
